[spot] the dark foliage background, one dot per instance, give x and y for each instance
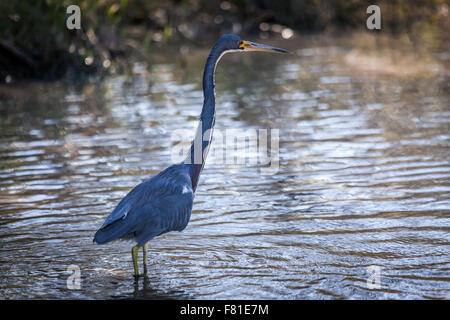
(35, 43)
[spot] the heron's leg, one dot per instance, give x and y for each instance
(144, 250)
(134, 254)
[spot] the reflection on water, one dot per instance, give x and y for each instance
(363, 180)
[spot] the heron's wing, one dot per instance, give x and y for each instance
(167, 213)
(172, 181)
(125, 205)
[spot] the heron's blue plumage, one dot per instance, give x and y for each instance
(163, 203)
(158, 205)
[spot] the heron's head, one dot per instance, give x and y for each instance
(233, 43)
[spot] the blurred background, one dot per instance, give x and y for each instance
(35, 43)
(363, 118)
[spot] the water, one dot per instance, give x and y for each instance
(363, 179)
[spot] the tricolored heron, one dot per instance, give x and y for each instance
(163, 203)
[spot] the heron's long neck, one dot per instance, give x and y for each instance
(200, 146)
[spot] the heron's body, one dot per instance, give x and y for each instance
(158, 205)
(164, 202)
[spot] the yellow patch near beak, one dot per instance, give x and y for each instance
(251, 46)
(243, 44)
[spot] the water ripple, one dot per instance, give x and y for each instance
(363, 180)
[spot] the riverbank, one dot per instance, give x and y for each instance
(36, 44)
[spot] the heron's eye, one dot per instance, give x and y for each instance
(241, 44)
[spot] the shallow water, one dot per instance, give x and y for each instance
(363, 181)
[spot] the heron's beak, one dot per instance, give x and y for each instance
(252, 46)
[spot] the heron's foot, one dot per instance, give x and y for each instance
(134, 254)
(139, 276)
(145, 270)
(144, 250)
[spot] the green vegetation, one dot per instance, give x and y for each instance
(35, 43)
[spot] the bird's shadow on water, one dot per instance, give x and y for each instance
(145, 289)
